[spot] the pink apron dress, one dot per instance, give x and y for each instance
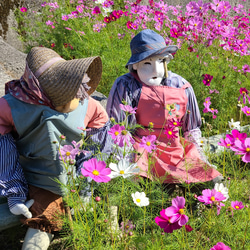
(175, 160)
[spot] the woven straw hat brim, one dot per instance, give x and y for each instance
(62, 80)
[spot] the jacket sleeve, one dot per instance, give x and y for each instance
(125, 88)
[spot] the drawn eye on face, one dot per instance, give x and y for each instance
(149, 63)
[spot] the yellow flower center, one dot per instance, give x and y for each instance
(68, 153)
(212, 198)
(181, 211)
(202, 141)
(148, 143)
(138, 200)
(237, 207)
(228, 145)
(116, 133)
(212, 109)
(170, 133)
(95, 172)
(175, 123)
(243, 92)
(121, 172)
(247, 149)
(248, 112)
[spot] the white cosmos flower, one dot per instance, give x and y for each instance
(219, 187)
(124, 168)
(234, 125)
(140, 199)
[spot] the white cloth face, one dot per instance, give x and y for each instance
(150, 70)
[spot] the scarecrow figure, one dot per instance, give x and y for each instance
(165, 103)
(50, 99)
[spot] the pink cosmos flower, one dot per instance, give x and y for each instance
(68, 152)
(210, 196)
(246, 68)
(169, 131)
(23, 9)
(227, 142)
(126, 227)
(163, 221)
(207, 79)
(207, 104)
(176, 212)
(128, 109)
(242, 148)
(120, 135)
(96, 170)
(237, 205)
(220, 246)
(244, 93)
(148, 143)
(246, 110)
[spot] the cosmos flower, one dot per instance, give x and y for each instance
(140, 199)
(148, 143)
(124, 168)
(96, 170)
(163, 221)
(176, 212)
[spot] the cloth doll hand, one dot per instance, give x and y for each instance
(23, 209)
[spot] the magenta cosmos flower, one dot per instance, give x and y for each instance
(244, 93)
(96, 170)
(220, 246)
(175, 123)
(148, 143)
(237, 205)
(163, 221)
(242, 148)
(176, 212)
(169, 131)
(210, 196)
(23, 9)
(207, 79)
(128, 109)
(236, 135)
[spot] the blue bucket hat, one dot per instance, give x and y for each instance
(148, 43)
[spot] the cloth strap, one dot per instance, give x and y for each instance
(47, 65)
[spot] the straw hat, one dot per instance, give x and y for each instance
(60, 79)
(148, 43)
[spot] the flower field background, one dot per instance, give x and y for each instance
(214, 47)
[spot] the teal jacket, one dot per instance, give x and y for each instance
(39, 128)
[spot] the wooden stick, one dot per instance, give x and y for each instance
(165, 68)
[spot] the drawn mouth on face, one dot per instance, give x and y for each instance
(154, 77)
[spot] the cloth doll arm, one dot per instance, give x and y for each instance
(97, 138)
(125, 88)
